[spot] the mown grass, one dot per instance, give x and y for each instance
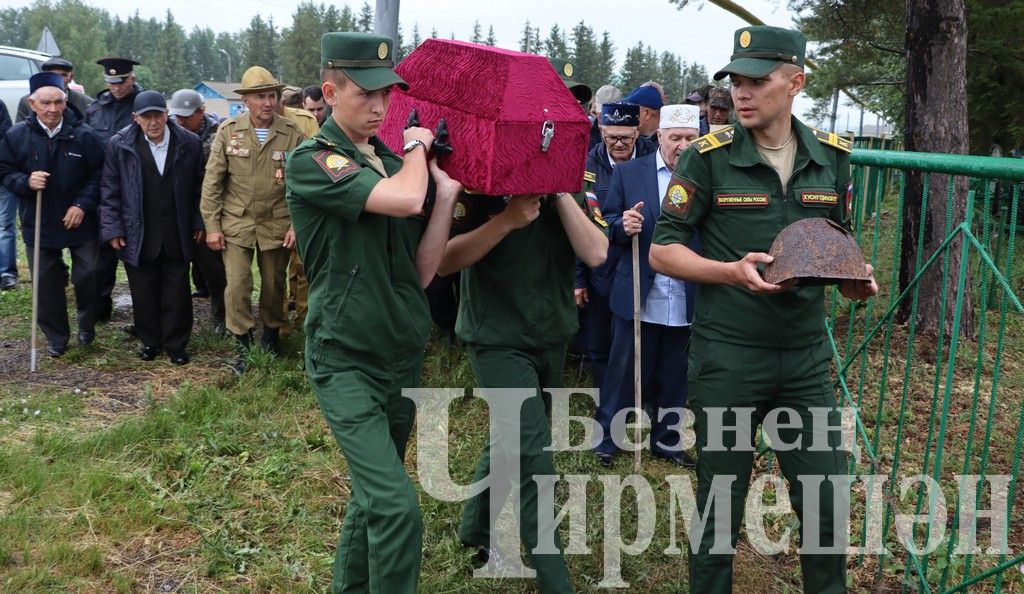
(154, 478)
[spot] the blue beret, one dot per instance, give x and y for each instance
(645, 97)
(45, 79)
(620, 114)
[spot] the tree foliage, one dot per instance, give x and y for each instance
(173, 58)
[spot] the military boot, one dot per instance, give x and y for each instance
(271, 341)
(243, 342)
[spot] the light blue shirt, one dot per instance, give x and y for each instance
(160, 150)
(666, 302)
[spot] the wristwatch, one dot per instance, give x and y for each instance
(413, 144)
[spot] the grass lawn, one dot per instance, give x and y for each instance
(123, 476)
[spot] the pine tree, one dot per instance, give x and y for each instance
(606, 63)
(491, 40)
(477, 33)
(586, 56)
(365, 21)
(526, 41)
(300, 59)
(555, 46)
(172, 71)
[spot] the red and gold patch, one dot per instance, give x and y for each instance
(678, 196)
(595, 209)
(335, 166)
(741, 200)
(819, 198)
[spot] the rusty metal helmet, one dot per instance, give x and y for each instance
(817, 251)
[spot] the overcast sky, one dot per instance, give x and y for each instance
(700, 33)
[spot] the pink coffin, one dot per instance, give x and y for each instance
(495, 102)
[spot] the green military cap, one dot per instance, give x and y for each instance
(366, 58)
(758, 51)
(566, 69)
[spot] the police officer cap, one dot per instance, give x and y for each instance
(115, 70)
(367, 59)
(648, 97)
(45, 79)
(185, 102)
(149, 101)
(56, 63)
(566, 70)
(620, 114)
(759, 51)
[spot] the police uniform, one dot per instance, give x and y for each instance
(762, 351)
(106, 115)
(243, 198)
(516, 317)
(367, 326)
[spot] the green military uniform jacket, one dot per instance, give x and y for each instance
(366, 307)
(520, 294)
(723, 188)
(243, 190)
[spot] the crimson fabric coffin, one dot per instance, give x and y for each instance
(495, 102)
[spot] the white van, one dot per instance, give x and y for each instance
(16, 66)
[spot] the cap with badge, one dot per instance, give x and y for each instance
(680, 116)
(620, 114)
(115, 70)
(185, 102)
(149, 101)
(566, 70)
(45, 79)
(648, 97)
(56, 63)
(258, 79)
(366, 58)
(759, 51)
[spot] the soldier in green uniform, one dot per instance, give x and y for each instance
(756, 344)
(368, 250)
(516, 317)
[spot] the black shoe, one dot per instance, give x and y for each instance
(681, 459)
(8, 282)
(148, 353)
(243, 342)
(180, 358)
(54, 350)
(271, 341)
(604, 459)
(86, 338)
(129, 329)
(104, 309)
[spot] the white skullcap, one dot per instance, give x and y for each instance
(680, 116)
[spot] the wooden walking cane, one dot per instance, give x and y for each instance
(35, 275)
(638, 427)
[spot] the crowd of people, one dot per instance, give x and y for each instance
(301, 184)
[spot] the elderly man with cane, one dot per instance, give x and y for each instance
(52, 162)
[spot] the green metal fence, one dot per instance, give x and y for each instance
(934, 405)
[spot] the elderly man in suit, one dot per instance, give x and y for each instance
(666, 307)
(149, 215)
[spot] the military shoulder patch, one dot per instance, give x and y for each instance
(337, 167)
(589, 177)
(713, 140)
(833, 140)
(595, 209)
(678, 196)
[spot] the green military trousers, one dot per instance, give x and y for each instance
(729, 375)
(381, 537)
(502, 367)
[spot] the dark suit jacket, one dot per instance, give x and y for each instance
(631, 182)
(121, 189)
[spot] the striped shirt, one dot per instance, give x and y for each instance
(261, 134)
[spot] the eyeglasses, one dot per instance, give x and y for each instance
(617, 139)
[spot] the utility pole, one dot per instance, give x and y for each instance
(385, 19)
(835, 109)
(228, 56)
